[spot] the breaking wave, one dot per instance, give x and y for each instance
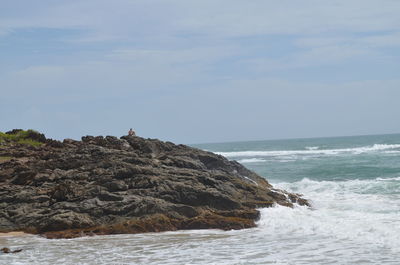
(358, 212)
(312, 151)
(251, 160)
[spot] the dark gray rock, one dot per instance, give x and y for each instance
(106, 185)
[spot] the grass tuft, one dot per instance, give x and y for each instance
(28, 137)
(5, 158)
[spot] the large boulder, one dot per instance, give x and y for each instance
(106, 185)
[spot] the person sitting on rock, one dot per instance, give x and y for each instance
(131, 132)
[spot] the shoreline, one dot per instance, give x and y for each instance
(13, 234)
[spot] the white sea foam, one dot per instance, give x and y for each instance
(388, 179)
(356, 150)
(350, 194)
(312, 147)
(251, 160)
(361, 212)
(350, 223)
(392, 152)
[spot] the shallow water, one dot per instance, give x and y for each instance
(355, 217)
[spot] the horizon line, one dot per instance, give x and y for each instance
(296, 138)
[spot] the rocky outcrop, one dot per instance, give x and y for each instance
(109, 185)
(8, 251)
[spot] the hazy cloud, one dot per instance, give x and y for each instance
(197, 71)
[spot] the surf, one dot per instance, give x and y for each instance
(311, 151)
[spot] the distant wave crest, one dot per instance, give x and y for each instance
(311, 151)
(312, 147)
(251, 160)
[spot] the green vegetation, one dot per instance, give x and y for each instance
(4, 158)
(29, 137)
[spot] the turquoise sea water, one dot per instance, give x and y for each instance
(334, 159)
(353, 184)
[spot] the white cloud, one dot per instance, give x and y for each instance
(328, 55)
(3, 32)
(311, 57)
(234, 18)
(169, 58)
(99, 79)
(41, 71)
(382, 40)
(367, 41)
(194, 55)
(133, 19)
(200, 32)
(311, 42)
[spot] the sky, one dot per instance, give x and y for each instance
(200, 71)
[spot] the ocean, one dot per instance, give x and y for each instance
(353, 184)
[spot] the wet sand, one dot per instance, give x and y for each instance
(13, 234)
